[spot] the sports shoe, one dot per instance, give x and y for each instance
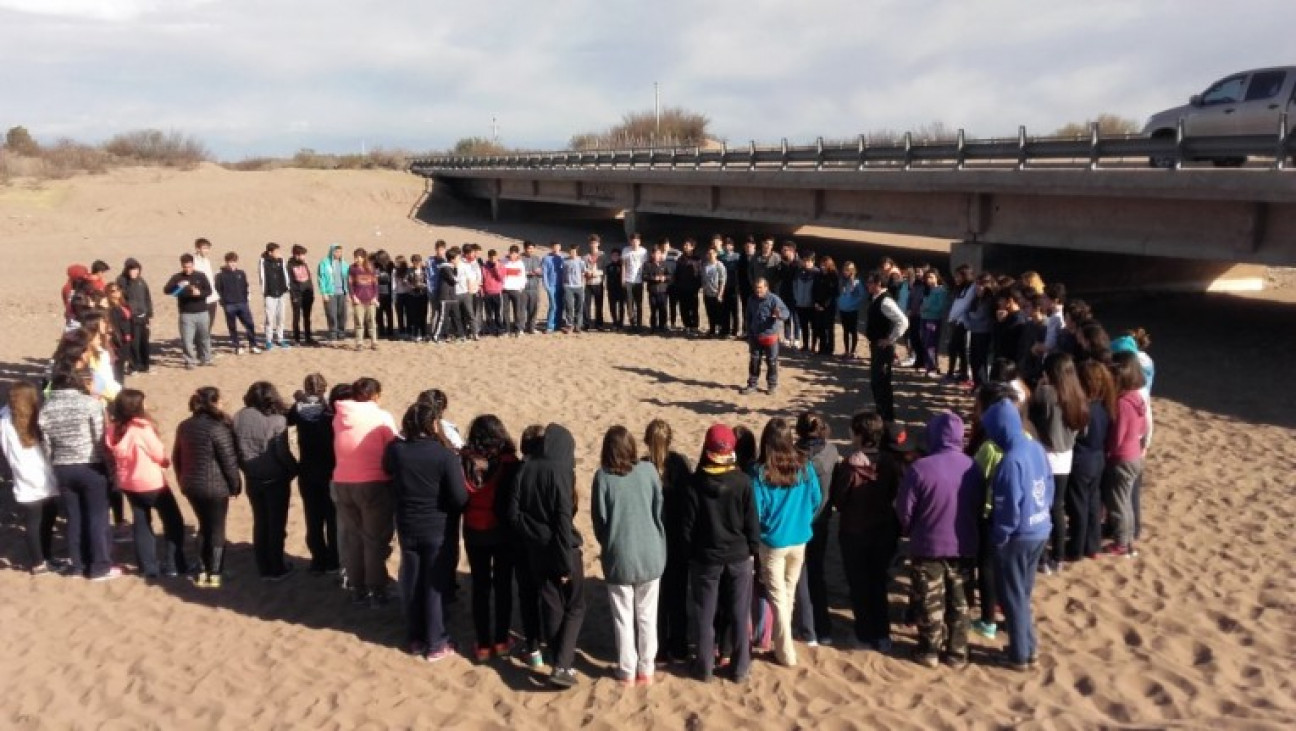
(534, 660)
(908, 362)
(285, 344)
(884, 646)
(482, 653)
(288, 570)
(255, 350)
(447, 650)
(772, 391)
(746, 390)
(643, 679)
(927, 659)
(214, 581)
(238, 350)
(503, 649)
(269, 345)
(563, 678)
(113, 572)
(812, 643)
(987, 630)
(958, 662)
(1117, 550)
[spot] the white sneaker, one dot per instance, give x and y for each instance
(238, 350)
(255, 350)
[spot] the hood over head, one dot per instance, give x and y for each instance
(77, 272)
(1003, 424)
(130, 264)
(334, 248)
(1124, 344)
(945, 433)
(559, 447)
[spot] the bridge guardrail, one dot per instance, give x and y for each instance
(1089, 153)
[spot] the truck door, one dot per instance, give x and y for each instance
(1267, 95)
(1216, 110)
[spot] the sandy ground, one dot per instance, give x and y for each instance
(1198, 632)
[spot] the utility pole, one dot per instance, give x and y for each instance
(657, 107)
(494, 130)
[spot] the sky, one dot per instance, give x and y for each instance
(270, 77)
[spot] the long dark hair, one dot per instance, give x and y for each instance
(1098, 384)
(366, 389)
(264, 397)
(128, 406)
(778, 454)
(488, 437)
(1061, 372)
(206, 401)
(423, 421)
(1128, 372)
(744, 447)
(619, 451)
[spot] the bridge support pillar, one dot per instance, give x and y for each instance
(974, 254)
(496, 205)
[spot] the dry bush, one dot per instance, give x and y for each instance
(1109, 125)
(252, 164)
(679, 128)
(478, 146)
(19, 141)
(171, 149)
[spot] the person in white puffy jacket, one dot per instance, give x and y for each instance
(34, 485)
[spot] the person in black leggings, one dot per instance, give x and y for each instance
(206, 463)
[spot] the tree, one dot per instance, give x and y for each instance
(19, 141)
(1109, 125)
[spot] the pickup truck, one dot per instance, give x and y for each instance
(1246, 103)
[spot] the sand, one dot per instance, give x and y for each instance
(1200, 631)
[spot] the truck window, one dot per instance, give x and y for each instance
(1265, 85)
(1226, 91)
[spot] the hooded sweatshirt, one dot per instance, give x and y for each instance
(627, 515)
(139, 458)
(720, 524)
(314, 421)
(332, 274)
(273, 274)
(262, 442)
(864, 499)
(1125, 438)
(542, 505)
(136, 292)
(483, 477)
(940, 498)
(361, 431)
(1022, 487)
(823, 457)
(299, 278)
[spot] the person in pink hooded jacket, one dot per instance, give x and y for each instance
(362, 490)
(140, 460)
(1126, 440)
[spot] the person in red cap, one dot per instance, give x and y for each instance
(722, 533)
(76, 273)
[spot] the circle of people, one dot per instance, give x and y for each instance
(1054, 458)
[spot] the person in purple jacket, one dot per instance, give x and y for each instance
(937, 505)
(1020, 523)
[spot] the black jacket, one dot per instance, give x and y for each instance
(688, 274)
(719, 520)
(657, 277)
(232, 286)
(428, 484)
(314, 421)
(205, 459)
(187, 301)
(136, 292)
(677, 475)
(542, 505)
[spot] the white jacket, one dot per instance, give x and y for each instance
(32, 474)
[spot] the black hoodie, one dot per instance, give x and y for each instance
(136, 292)
(720, 525)
(542, 505)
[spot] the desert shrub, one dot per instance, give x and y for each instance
(172, 149)
(1109, 125)
(19, 141)
(679, 128)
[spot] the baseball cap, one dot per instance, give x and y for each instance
(720, 443)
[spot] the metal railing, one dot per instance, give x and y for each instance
(1170, 152)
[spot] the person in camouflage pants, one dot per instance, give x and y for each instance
(938, 505)
(940, 586)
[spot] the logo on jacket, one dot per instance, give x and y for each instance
(1037, 492)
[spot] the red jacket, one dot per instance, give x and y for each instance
(480, 513)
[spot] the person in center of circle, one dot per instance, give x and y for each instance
(766, 314)
(626, 509)
(787, 496)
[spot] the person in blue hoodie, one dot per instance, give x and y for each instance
(1020, 523)
(333, 290)
(552, 273)
(766, 314)
(938, 504)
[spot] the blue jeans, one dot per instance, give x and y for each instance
(240, 313)
(755, 354)
(1015, 564)
(555, 308)
(574, 305)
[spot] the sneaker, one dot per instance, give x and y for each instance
(503, 649)
(746, 390)
(255, 350)
(563, 678)
(238, 350)
(269, 345)
(826, 641)
(189, 366)
(285, 344)
(288, 570)
(535, 660)
(482, 653)
(643, 679)
(987, 630)
(958, 662)
(202, 579)
(772, 391)
(113, 572)
(214, 581)
(447, 650)
(927, 659)
(812, 643)
(1117, 550)
(907, 362)
(1005, 661)
(207, 363)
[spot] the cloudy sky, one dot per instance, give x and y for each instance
(255, 77)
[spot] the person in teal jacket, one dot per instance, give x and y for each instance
(332, 276)
(787, 496)
(932, 313)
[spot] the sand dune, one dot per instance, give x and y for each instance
(1200, 631)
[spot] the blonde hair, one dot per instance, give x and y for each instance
(657, 442)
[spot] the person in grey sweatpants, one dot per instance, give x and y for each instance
(191, 289)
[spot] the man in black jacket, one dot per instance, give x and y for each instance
(541, 509)
(191, 289)
(140, 302)
(232, 286)
(885, 325)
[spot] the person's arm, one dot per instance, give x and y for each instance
(282, 451)
(1007, 505)
(751, 520)
(899, 322)
(227, 458)
(204, 285)
(153, 447)
(148, 300)
(905, 501)
(177, 462)
(456, 492)
(564, 511)
(723, 281)
(598, 510)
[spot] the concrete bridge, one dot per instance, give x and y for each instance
(1241, 215)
